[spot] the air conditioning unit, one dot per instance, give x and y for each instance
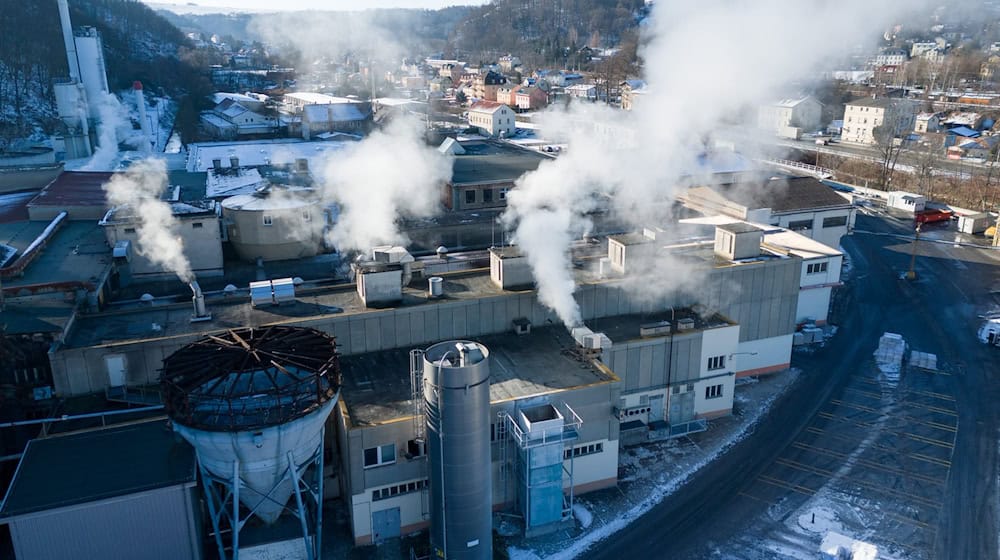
(686, 324)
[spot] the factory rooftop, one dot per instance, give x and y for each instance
(376, 386)
(260, 153)
(779, 193)
(77, 252)
(85, 467)
(491, 162)
(73, 190)
(625, 328)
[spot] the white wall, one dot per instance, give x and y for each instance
(814, 305)
(766, 353)
(410, 509)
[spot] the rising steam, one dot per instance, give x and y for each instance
(140, 189)
(391, 174)
(748, 54)
(112, 118)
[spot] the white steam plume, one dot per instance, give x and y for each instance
(140, 189)
(112, 118)
(391, 174)
(747, 52)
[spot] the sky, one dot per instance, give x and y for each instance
(287, 5)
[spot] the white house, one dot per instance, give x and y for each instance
(492, 118)
(231, 119)
(582, 91)
(789, 117)
(863, 116)
(820, 273)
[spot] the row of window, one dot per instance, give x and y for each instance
(399, 489)
(716, 362)
(582, 450)
(816, 268)
(196, 225)
(834, 221)
(713, 391)
(269, 220)
(381, 455)
(470, 195)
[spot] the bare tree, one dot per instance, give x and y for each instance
(925, 157)
(890, 137)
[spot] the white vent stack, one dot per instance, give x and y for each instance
(140, 103)
(67, 32)
(71, 97)
(198, 300)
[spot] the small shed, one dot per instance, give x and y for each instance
(124, 492)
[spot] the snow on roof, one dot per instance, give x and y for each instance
(257, 202)
(308, 97)
(221, 96)
(228, 183)
(964, 118)
(486, 107)
(580, 87)
(262, 152)
(216, 120)
(234, 110)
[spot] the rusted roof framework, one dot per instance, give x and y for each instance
(250, 378)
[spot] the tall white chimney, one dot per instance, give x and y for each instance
(140, 102)
(67, 31)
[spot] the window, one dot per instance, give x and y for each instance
(581, 450)
(130, 230)
(470, 197)
(816, 268)
(381, 455)
(835, 221)
(716, 362)
(197, 225)
(399, 489)
(306, 216)
(503, 194)
(799, 225)
(713, 391)
(267, 220)
(488, 195)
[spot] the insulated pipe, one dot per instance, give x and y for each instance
(67, 32)
(198, 299)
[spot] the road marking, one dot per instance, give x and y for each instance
(865, 393)
(941, 396)
(868, 463)
(786, 485)
(752, 497)
(937, 409)
(937, 425)
(862, 483)
(881, 447)
(861, 424)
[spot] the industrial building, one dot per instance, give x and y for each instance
(484, 171)
(124, 492)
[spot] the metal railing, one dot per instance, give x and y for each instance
(570, 430)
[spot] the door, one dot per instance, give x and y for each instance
(656, 409)
(681, 408)
(385, 525)
(116, 369)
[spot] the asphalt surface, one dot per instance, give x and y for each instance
(916, 458)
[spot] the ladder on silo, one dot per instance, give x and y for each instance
(417, 400)
(501, 439)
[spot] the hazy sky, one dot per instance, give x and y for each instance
(281, 5)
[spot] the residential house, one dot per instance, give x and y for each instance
(789, 117)
(482, 172)
(588, 92)
(977, 148)
(966, 119)
(926, 122)
(509, 62)
(351, 118)
(230, 119)
(920, 48)
(508, 94)
(631, 90)
(531, 98)
(892, 56)
(492, 118)
(452, 71)
(863, 116)
(486, 85)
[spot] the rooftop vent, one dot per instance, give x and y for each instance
(685, 324)
(654, 329)
(272, 292)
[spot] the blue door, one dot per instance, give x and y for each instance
(385, 525)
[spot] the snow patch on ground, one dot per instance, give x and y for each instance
(582, 515)
(521, 554)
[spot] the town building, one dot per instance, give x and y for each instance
(863, 116)
(586, 92)
(508, 94)
(926, 122)
(484, 171)
(789, 118)
(492, 119)
(230, 119)
(531, 98)
(485, 86)
(632, 91)
(801, 204)
(350, 118)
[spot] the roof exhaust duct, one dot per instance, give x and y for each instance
(198, 299)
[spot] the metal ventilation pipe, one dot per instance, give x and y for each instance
(407, 274)
(67, 33)
(140, 102)
(198, 299)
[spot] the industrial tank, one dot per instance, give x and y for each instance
(276, 224)
(457, 403)
(252, 401)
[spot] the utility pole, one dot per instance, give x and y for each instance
(912, 273)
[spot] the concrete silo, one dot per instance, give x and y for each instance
(456, 385)
(254, 403)
(274, 224)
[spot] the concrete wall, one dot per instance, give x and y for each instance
(159, 524)
(201, 236)
(283, 239)
(814, 305)
(758, 357)
(827, 235)
(381, 288)
(510, 272)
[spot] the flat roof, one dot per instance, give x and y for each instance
(74, 188)
(738, 227)
(78, 252)
(631, 238)
(625, 328)
(85, 467)
(261, 152)
(781, 194)
(376, 386)
(485, 161)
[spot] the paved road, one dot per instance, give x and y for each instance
(720, 512)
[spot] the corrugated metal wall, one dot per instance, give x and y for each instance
(156, 525)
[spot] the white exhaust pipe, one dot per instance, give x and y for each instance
(140, 102)
(67, 32)
(198, 299)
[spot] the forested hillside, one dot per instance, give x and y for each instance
(546, 31)
(138, 45)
